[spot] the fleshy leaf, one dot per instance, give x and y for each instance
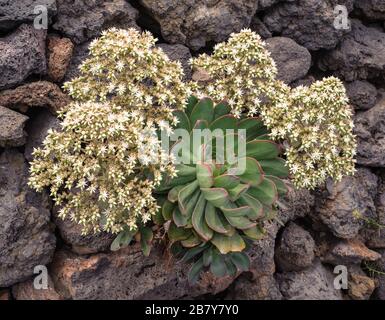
(182, 151)
(253, 174)
(254, 127)
(146, 237)
(194, 273)
(183, 120)
(201, 125)
(205, 175)
(218, 266)
(215, 221)
(269, 212)
(240, 222)
(191, 103)
(266, 192)
(191, 242)
(281, 186)
(171, 183)
(221, 109)
(227, 244)
(231, 268)
(255, 233)
(275, 167)
(238, 191)
(231, 143)
(173, 193)
(236, 211)
(240, 260)
(262, 149)
(122, 240)
(203, 110)
(192, 253)
(219, 197)
(255, 204)
(226, 181)
(167, 210)
(207, 257)
(198, 220)
(224, 122)
(179, 219)
(176, 249)
(184, 170)
(178, 234)
(185, 194)
(157, 218)
(191, 203)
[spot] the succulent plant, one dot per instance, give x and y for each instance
(210, 211)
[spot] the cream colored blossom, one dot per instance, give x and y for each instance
(93, 170)
(125, 68)
(316, 122)
(241, 71)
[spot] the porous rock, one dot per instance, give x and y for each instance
(259, 27)
(5, 294)
(12, 124)
(293, 61)
(362, 94)
(71, 233)
(22, 53)
(264, 4)
(357, 56)
(339, 203)
(380, 291)
(315, 283)
(196, 23)
(35, 94)
(296, 204)
(59, 56)
(295, 249)
(15, 12)
(87, 19)
(351, 251)
(26, 234)
(370, 131)
(127, 274)
(260, 288)
(310, 23)
(26, 291)
(374, 231)
(371, 9)
(360, 286)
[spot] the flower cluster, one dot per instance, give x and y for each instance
(239, 71)
(127, 69)
(104, 164)
(94, 167)
(317, 124)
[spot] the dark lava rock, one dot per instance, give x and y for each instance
(295, 249)
(293, 61)
(26, 234)
(22, 53)
(83, 20)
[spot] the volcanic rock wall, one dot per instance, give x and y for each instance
(316, 232)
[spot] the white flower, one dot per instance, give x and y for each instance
(120, 66)
(121, 89)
